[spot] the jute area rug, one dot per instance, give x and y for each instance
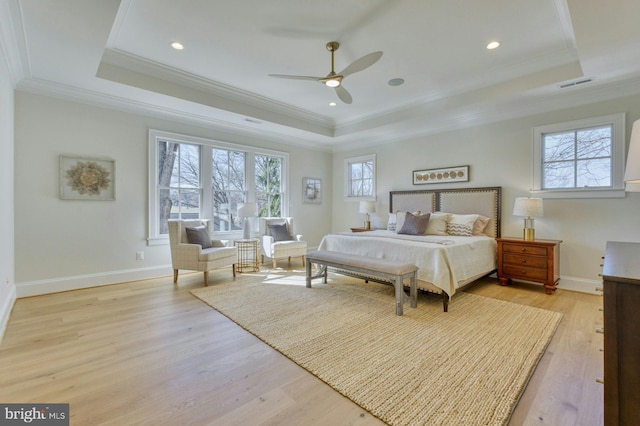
(465, 367)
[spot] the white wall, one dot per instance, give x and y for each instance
(7, 286)
(500, 155)
(62, 244)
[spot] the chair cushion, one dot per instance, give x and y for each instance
(279, 232)
(198, 235)
(215, 253)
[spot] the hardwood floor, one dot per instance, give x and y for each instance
(149, 353)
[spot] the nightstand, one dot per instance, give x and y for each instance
(361, 230)
(537, 261)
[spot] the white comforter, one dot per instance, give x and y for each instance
(446, 262)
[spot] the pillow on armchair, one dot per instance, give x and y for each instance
(198, 235)
(280, 232)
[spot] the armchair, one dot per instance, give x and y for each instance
(185, 255)
(279, 240)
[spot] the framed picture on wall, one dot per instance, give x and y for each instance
(87, 178)
(311, 190)
(449, 174)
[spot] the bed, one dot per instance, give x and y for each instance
(446, 263)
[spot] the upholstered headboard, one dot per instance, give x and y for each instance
(485, 201)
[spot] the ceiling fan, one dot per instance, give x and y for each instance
(334, 80)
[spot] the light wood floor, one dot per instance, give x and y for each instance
(149, 353)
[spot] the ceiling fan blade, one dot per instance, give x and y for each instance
(362, 63)
(343, 94)
(296, 77)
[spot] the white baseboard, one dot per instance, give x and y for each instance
(5, 310)
(55, 285)
(581, 285)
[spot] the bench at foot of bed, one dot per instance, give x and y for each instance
(388, 270)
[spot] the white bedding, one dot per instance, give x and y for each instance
(447, 262)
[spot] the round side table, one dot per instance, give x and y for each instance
(247, 255)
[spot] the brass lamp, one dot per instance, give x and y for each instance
(530, 208)
(367, 207)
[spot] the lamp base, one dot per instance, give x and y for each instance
(246, 229)
(367, 225)
(529, 234)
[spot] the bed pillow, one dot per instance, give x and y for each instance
(461, 225)
(400, 219)
(438, 224)
(279, 232)
(414, 225)
(480, 225)
(392, 222)
(198, 235)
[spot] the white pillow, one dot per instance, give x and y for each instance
(480, 225)
(461, 224)
(392, 222)
(438, 224)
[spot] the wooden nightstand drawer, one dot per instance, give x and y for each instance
(520, 260)
(524, 249)
(525, 273)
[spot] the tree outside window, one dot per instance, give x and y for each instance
(268, 175)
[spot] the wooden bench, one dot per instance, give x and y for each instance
(389, 270)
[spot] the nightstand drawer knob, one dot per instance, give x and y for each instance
(523, 272)
(523, 249)
(523, 260)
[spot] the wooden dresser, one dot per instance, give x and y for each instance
(537, 261)
(621, 287)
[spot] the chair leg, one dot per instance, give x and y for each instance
(233, 268)
(206, 278)
(175, 275)
(303, 260)
(289, 260)
(274, 263)
(262, 258)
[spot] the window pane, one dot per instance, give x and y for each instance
(356, 171)
(164, 208)
(167, 153)
(189, 166)
(220, 170)
(236, 171)
(367, 170)
(559, 146)
(558, 175)
(189, 204)
(594, 143)
(594, 173)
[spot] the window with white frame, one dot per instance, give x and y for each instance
(360, 178)
(179, 167)
(580, 159)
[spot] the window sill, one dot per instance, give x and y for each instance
(582, 193)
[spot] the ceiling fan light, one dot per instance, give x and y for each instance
(333, 82)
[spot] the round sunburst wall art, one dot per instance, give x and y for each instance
(86, 179)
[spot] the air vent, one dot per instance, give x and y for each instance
(575, 83)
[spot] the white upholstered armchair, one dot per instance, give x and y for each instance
(279, 240)
(192, 256)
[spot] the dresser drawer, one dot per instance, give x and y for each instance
(524, 249)
(525, 273)
(518, 260)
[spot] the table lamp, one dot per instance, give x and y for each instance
(530, 208)
(632, 171)
(367, 207)
(246, 211)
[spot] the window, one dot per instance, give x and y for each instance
(580, 159)
(360, 178)
(180, 165)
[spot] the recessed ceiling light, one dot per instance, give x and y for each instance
(396, 81)
(332, 104)
(177, 46)
(493, 45)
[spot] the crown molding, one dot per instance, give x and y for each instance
(12, 40)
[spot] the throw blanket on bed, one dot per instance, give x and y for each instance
(446, 262)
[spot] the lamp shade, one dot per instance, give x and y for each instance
(247, 210)
(367, 207)
(632, 171)
(530, 207)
